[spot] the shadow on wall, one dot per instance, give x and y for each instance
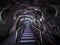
(58, 19)
(51, 11)
(3, 31)
(4, 28)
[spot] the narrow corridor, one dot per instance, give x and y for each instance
(29, 22)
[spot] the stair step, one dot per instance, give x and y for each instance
(27, 30)
(27, 44)
(26, 41)
(28, 33)
(27, 37)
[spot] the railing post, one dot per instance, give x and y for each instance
(41, 38)
(16, 35)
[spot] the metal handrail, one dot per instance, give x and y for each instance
(40, 34)
(37, 28)
(17, 32)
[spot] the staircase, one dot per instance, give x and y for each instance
(28, 37)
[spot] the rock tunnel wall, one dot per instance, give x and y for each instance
(8, 15)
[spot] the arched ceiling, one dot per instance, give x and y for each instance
(34, 7)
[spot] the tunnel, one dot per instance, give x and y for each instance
(29, 22)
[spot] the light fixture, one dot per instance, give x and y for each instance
(40, 19)
(14, 18)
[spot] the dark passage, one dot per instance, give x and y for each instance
(27, 37)
(29, 22)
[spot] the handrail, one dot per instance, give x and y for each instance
(40, 35)
(36, 28)
(17, 32)
(19, 28)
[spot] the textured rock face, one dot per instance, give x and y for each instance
(8, 14)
